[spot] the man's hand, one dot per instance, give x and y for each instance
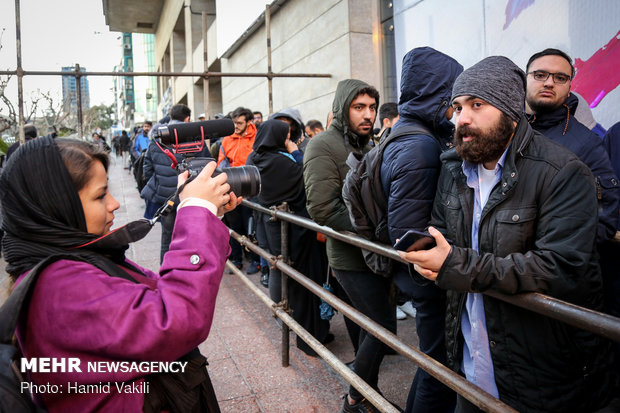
(428, 262)
(290, 145)
(232, 204)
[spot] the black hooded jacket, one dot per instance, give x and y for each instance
(281, 177)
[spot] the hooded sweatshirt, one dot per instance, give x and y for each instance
(325, 170)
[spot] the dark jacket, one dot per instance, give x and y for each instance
(561, 126)
(537, 234)
(411, 165)
(281, 176)
(611, 141)
(325, 170)
(159, 173)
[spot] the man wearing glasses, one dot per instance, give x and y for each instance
(550, 107)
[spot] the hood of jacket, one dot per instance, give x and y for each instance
(346, 91)
(295, 116)
(281, 176)
(271, 136)
(426, 87)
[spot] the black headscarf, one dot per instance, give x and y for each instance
(42, 212)
(281, 177)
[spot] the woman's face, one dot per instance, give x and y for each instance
(98, 204)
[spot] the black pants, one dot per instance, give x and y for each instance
(238, 220)
(370, 294)
(167, 226)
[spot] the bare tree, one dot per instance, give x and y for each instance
(8, 118)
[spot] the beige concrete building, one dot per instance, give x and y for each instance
(342, 38)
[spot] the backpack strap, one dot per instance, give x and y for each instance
(380, 197)
(405, 131)
(17, 300)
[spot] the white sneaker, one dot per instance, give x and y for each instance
(408, 309)
(399, 314)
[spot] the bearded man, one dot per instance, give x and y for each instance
(522, 213)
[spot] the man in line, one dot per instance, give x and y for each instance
(522, 213)
(355, 109)
(313, 127)
(234, 151)
(550, 106)
(258, 118)
(409, 174)
(388, 116)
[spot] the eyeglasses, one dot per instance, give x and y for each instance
(542, 75)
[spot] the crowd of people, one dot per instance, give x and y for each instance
(505, 168)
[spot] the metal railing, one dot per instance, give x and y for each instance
(593, 321)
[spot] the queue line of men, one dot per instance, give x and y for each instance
(522, 212)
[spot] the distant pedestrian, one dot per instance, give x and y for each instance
(125, 144)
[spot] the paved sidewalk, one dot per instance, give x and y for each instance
(243, 347)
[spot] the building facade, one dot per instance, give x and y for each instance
(363, 39)
(341, 38)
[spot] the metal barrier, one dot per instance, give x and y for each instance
(597, 322)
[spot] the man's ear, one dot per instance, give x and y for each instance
(186, 119)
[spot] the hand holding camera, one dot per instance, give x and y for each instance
(211, 188)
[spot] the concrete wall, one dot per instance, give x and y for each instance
(179, 47)
(337, 37)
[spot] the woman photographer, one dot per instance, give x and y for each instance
(93, 304)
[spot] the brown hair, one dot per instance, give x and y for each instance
(78, 156)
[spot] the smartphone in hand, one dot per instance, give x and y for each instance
(414, 241)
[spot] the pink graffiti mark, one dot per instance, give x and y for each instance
(598, 75)
(514, 8)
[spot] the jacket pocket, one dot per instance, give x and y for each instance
(452, 215)
(515, 230)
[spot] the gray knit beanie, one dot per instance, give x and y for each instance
(496, 80)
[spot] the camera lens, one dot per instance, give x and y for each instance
(243, 180)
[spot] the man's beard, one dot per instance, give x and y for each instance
(486, 146)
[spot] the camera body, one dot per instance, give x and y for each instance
(188, 140)
(243, 180)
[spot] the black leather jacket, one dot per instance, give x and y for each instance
(537, 233)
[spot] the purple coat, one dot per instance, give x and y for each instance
(79, 311)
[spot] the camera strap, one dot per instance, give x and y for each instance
(171, 203)
(169, 154)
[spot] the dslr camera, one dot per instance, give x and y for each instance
(188, 139)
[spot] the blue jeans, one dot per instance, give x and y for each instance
(370, 295)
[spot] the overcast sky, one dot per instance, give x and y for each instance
(55, 34)
(65, 32)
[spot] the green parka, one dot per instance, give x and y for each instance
(325, 170)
